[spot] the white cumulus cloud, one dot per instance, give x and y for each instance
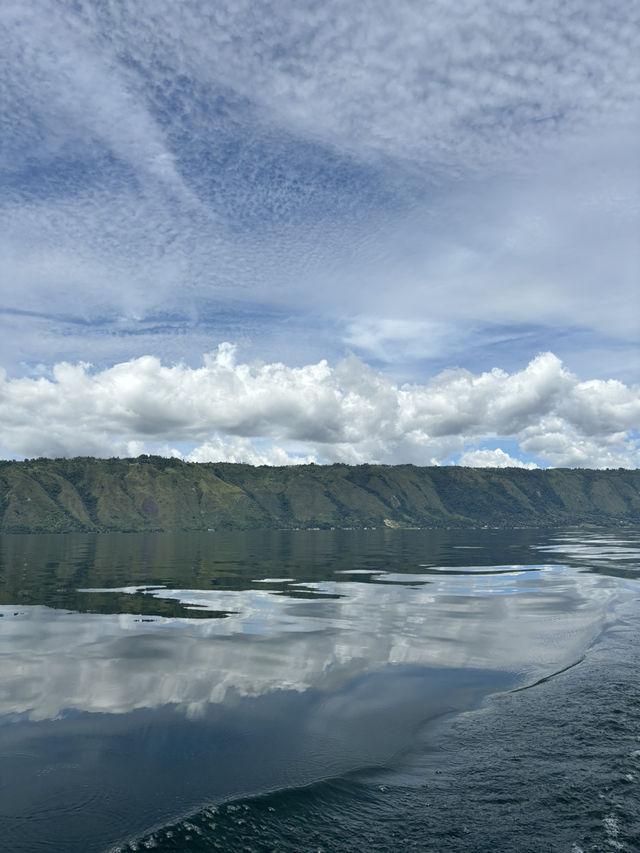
(272, 413)
(492, 459)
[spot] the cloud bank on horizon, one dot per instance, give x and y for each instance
(274, 414)
(389, 211)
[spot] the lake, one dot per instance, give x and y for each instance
(347, 690)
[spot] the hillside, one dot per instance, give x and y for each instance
(153, 493)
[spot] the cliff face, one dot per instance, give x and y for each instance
(153, 493)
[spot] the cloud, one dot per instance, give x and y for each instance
(455, 85)
(389, 339)
(438, 167)
(237, 449)
(492, 459)
(364, 78)
(271, 413)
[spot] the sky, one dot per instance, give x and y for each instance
(334, 232)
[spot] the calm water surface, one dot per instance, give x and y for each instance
(320, 690)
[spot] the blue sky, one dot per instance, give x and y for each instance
(338, 231)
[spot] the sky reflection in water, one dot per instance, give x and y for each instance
(117, 663)
(160, 715)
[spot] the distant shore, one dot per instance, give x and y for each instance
(154, 493)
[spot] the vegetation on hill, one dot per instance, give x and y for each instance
(154, 493)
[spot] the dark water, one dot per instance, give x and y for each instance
(303, 691)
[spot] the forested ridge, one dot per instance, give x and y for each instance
(155, 493)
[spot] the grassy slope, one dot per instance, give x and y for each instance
(151, 493)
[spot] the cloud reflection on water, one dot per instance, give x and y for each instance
(526, 622)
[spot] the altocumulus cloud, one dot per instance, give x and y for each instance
(408, 175)
(275, 414)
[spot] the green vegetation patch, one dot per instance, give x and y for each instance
(152, 493)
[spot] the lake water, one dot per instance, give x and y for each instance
(374, 690)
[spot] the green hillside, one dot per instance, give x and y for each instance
(153, 493)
